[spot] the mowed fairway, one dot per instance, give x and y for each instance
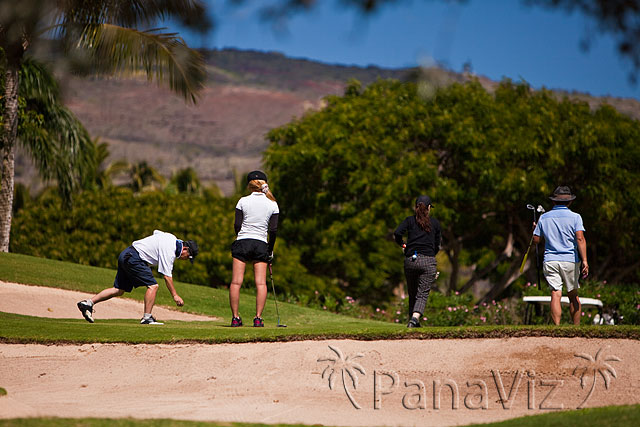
(322, 369)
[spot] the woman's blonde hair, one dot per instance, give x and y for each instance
(260, 186)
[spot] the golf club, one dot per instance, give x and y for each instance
(540, 210)
(524, 260)
(275, 298)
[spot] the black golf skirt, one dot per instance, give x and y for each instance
(250, 250)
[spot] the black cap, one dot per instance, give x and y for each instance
(424, 199)
(562, 194)
(193, 249)
(256, 175)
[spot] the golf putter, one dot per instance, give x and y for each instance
(275, 298)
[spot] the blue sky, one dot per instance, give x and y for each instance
(499, 38)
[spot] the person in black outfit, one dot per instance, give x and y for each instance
(423, 242)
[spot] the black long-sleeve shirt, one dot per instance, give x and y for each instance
(419, 241)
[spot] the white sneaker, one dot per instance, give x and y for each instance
(150, 321)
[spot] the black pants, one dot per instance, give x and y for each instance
(420, 274)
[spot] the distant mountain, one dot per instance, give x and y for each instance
(248, 94)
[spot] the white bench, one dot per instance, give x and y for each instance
(532, 301)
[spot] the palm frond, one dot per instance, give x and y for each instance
(610, 369)
(358, 368)
(102, 151)
(75, 152)
(117, 167)
(598, 353)
(55, 139)
(60, 148)
(337, 351)
(332, 379)
(325, 371)
(37, 83)
(583, 371)
(355, 356)
(135, 13)
(606, 377)
(163, 57)
(585, 356)
(353, 376)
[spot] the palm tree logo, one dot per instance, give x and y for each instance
(346, 367)
(596, 365)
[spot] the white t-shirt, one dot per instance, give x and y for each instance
(256, 211)
(158, 249)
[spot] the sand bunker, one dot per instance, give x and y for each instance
(397, 383)
(59, 303)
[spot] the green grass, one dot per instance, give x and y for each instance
(609, 416)
(303, 323)
(3, 392)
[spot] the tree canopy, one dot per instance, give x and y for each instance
(348, 174)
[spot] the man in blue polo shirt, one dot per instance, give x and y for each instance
(565, 247)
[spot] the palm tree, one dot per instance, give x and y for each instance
(53, 137)
(186, 181)
(596, 366)
(95, 36)
(100, 174)
(345, 365)
(144, 177)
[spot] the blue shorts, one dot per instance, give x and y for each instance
(132, 271)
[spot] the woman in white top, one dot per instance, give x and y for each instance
(256, 225)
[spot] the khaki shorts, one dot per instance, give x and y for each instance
(559, 272)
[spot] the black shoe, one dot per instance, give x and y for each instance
(86, 310)
(413, 323)
(236, 321)
(258, 322)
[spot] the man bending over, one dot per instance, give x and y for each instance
(160, 249)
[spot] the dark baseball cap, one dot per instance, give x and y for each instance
(256, 175)
(424, 199)
(193, 249)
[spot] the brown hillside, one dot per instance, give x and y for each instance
(248, 94)
(225, 130)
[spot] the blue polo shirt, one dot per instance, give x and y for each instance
(558, 227)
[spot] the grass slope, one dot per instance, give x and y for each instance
(303, 323)
(609, 416)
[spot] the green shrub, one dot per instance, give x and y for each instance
(103, 223)
(622, 301)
